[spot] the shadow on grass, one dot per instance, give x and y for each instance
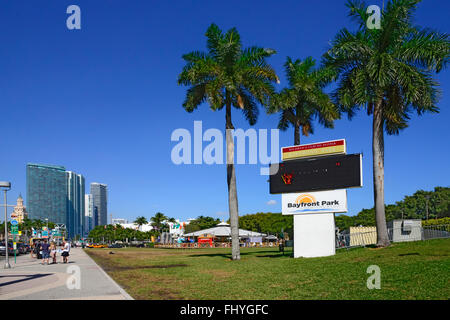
(268, 254)
(409, 254)
(110, 267)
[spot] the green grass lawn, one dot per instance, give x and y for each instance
(415, 270)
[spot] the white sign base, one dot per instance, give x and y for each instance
(314, 235)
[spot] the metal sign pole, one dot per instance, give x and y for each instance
(14, 247)
(7, 265)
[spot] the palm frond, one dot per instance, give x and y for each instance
(194, 97)
(425, 48)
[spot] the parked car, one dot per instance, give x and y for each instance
(10, 249)
(22, 248)
(115, 245)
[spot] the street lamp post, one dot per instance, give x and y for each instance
(6, 186)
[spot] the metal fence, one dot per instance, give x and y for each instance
(349, 239)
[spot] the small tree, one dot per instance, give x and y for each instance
(304, 100)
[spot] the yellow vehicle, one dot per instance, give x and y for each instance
(100, 246)
(97, 246)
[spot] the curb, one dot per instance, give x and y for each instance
(121, 290)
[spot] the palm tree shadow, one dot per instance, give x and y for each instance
(268, 254)
(224, 255)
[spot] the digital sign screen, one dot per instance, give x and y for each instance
(316, 174)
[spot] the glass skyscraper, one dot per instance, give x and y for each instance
(47, 193)
(99, 196)
(75, 204)
(88, 213)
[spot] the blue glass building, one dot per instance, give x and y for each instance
(57, 195)
(75, 204)
(47, 192)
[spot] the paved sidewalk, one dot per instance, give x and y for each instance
(29, 279)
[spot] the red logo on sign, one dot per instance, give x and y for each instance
(287, 178)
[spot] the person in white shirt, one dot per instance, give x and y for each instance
(65, 252)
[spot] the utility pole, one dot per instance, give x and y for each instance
(6, 186)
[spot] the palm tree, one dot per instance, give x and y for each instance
(173, 220)
(26, 226)
(387, 71)
(140, 221)
(304, 100)
(38, 224)
(158, 220)
(227, 76)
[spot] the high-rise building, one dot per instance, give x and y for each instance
(47, 192)
(99, 195)
(88, 213)
(75, 204)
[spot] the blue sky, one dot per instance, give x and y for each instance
(103, 101)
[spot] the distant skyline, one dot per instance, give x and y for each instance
(103, 101)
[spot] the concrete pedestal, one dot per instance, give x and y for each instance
(314, 235)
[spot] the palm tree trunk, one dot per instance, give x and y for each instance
(232, 192)
(378, 175)
(296, 133)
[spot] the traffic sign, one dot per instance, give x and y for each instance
(14, 222)
(14, 229)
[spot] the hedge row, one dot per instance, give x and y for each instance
(435, 222)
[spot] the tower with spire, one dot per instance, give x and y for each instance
(20, 211)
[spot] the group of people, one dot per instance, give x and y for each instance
(44, 250)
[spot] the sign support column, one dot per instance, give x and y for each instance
(314, 235)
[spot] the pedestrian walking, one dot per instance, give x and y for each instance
(45, 248)
(53, 252)
(37, 249)
(32, 247)
(65, 252)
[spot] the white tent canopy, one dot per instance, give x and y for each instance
(224, 230)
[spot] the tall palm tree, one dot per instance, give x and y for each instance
(225, 76)
(140, 221)
(388, 72)
(158, 220)
(305, 99)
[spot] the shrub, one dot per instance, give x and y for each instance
(435, 222)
